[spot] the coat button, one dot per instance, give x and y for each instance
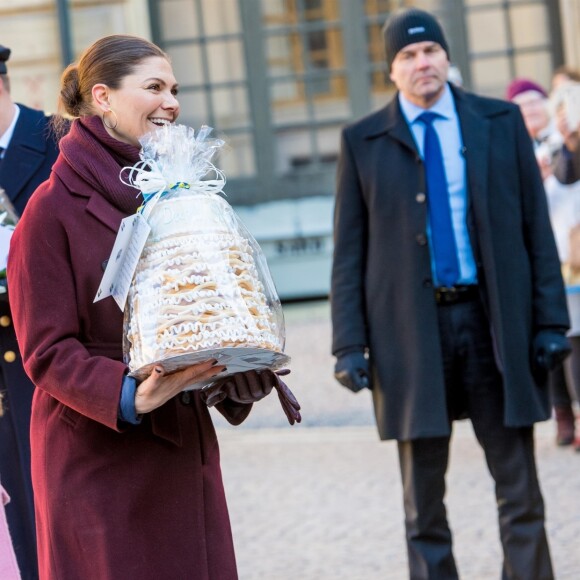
(5, 321)
(427, 283)
(9, 356)
(420, 198)
(185, 398)
(421, 239)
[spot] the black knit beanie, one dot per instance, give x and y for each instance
(411, 25)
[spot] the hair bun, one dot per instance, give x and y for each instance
(70, 93)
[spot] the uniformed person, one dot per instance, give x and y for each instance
(27, 152)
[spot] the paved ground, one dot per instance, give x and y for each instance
(322, 500)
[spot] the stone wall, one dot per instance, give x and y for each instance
(31, 29)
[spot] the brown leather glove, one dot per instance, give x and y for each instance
(287, 399)
(252, 386)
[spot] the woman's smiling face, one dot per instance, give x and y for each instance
(145, 100)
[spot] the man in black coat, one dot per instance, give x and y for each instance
(28, 151)
(447, 298)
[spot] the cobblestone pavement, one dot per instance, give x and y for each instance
(322, 500)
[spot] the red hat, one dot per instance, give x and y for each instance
(519, 86)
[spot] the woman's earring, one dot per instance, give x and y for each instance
(104, 118)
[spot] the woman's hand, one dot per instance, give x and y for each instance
(158, 387)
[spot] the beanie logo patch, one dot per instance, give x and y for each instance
(416, 30)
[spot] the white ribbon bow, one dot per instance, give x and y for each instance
(146, 176)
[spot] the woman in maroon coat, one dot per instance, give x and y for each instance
(126, 476)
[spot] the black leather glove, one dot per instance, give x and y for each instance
(550, 348)
(352, 371)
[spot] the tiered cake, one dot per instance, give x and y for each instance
(196, 286)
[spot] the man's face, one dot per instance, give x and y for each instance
(419, 71)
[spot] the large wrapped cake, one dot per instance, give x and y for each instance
(202, 287)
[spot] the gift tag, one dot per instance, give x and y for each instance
(122, 263)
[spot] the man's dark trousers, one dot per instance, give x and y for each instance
(473, 386)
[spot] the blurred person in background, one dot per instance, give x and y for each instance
(563, 189)
(566, 103)
(447, 297)
(533, 101)
(454, 75)
(28, 150)
(534, 104)
(563, 75)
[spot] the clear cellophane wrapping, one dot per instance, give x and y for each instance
(202, 286)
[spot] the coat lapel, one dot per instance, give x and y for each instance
(392, 123)
(97, 205)
(475, 133)
(106, 213)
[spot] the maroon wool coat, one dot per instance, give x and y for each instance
(113, 501)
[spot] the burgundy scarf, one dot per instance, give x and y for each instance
(98, 158)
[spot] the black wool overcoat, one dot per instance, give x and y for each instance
(382, 292)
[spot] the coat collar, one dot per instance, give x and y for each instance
(26, 152)
(474, 119)
(391, 121)
(470, 108)
(97, 205)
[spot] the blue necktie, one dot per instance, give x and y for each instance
(442, 236)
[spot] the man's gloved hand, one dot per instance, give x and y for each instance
(352, 371)
(550, 348)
